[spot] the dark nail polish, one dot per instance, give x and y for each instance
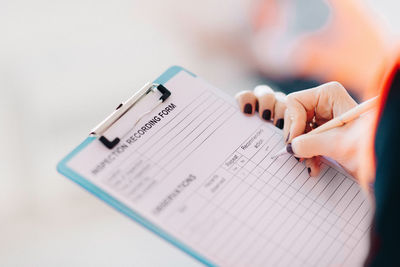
(287, 138)
(298, 159)
(309, 171)
(289, 148)
(279, 123)
(256, 109)
(266, 115)
(248, 109)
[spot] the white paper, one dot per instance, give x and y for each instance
(203, 173)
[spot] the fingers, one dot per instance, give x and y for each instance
(313, 166)
(322, 103)
(280, 107)
(271, 105)
(298, 115)
(322, 144)
(286, 126)
(339, 100)
(266, 100)
(247, 102)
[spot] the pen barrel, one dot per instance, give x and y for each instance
(337, 122)
(348, 116)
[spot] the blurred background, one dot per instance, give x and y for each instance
(64, 66)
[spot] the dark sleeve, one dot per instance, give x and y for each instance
(385, 232)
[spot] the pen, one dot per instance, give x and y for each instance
(346, 117)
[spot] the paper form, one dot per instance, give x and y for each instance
(202, 171)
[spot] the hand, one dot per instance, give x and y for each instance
(308, 109)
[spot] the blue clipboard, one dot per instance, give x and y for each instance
(69, 173)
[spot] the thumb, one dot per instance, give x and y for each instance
(311, 145)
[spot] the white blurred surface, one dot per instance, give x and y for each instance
(64, 65)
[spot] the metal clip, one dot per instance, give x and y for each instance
(123, 108)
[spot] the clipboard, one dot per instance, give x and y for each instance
(220, 160)
(96, 133)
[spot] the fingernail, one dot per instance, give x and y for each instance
(279, 123)
(287, 138)
(266, 115)
(309, 171)
(256, 109)
(289, 148)
(298, 159)
(248, 109)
